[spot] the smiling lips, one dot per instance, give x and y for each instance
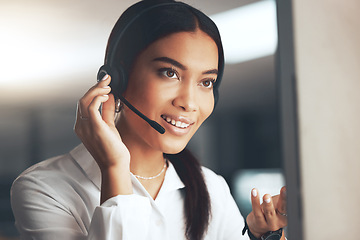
(177, 123)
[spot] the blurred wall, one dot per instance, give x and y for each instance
(327, 50)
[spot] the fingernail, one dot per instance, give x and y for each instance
(267, 200)
(254, 192)
(105, 95)
(106, 87)
(105, 77)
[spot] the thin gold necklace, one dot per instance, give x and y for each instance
(157, 175)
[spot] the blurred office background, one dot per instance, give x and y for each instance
(50, 54)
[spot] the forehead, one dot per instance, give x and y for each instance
(195, 50)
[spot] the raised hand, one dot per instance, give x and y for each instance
(270, 215)
(99, 135)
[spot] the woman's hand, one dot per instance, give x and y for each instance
(269, 216)
(99, 135)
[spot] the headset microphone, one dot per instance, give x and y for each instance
(152, 123)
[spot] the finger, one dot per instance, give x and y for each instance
(269, 210)
(108, 110)
(282, 203)
(93, 109)
(79, 113)
(83, 103)
(100, 88)
(255, 202)
(81, 122)
(104, 81)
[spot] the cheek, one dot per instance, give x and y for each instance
(144, 92)
(152, 96)
(207, 106)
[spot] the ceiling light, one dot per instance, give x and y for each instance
(248, 32)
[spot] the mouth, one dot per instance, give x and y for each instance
(178, 122)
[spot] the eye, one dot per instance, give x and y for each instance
(169, 73)
(208, 83)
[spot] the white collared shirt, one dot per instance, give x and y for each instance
(60, 199)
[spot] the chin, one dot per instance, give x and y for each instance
(173, 148)
(173, 152)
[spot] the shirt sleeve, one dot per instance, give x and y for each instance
(121, 217)
(41, 214)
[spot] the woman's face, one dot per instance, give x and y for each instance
(172, 83)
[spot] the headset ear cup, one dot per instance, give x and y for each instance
(118, 79)
(104, 69)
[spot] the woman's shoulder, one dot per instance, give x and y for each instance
(210, 174)
(215, 182)
(40, 185)
(225, 213)
(76, 163)
(59, 174)
(46, 169)
(56, 182)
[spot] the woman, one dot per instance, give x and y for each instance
(127, 180)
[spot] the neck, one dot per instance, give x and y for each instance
(146, 164)
(145, 160)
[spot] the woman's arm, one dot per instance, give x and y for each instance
(45, 209)
(98, 133)
(44, 212)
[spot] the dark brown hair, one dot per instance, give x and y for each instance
(197, 200)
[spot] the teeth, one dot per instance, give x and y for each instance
(176, 123)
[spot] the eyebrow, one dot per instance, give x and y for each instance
(171, 61)
(212, 71)
(179, 65)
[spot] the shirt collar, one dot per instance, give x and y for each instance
(172, 180)
(81, 155)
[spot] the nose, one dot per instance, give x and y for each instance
(186, 98)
